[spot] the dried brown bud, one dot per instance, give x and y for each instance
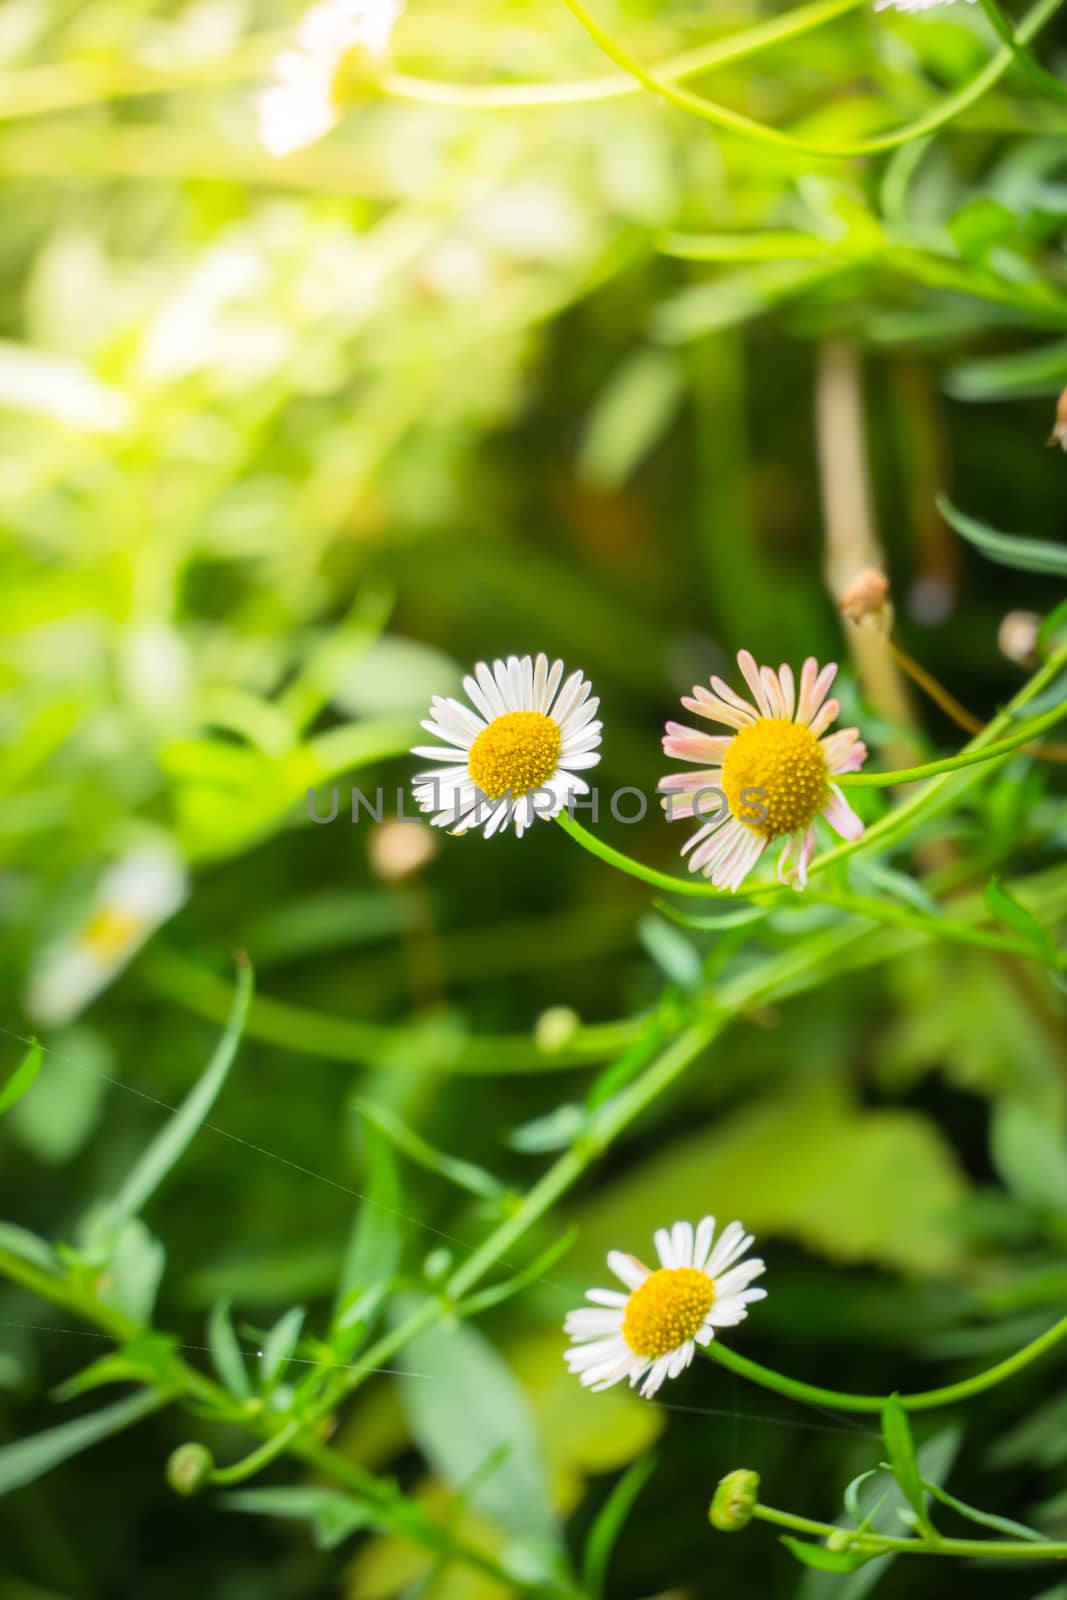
(867, 600)
(1017, 637)
(1059, 431)
(400, 849)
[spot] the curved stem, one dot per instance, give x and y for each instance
(871, 1543)
(1046, 81)
(636, 869)
(966, 758)
(735, 122)
(926, 1400)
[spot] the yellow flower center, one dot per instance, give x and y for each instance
(774, 776)
(666, 1310)
(516, 753)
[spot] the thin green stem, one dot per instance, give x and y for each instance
(926, 1400)
(734, 122)
(945, 928)
(871, 1543)
(1046, 81)
(966, 758)
(658, 880)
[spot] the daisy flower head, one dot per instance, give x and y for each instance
(516, 755)
(651, 1332)
(304, 101)
(767, 779)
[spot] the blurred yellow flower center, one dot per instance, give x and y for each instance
(774, 776)
(516, 753)
(110, 932)
(666, 1310)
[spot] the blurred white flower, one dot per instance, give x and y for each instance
(302, 104)
(517, 755)
(652, 1331)
(134, 897)
(913, 5)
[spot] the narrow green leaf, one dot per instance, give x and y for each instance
(1006, 549)
(672, 952)
(170, 1144)
(374, 1245)
(279, 1344)
(462, 1173)
(1030, 1154)
(609, 1523)
(896, 1431)
(852, 1490)
(333, 1516)
(22, 1077)
(987, 1519)
(226, 1352)
(28, 1459)
(629, 417)
(822, 1559)
(1006, 909)
(27, 1246)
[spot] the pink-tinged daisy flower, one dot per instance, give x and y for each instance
(303, 103)
(652, 1331)
(769, 779)
(516, 756)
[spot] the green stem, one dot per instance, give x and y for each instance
(734, 122)
(1046, 81)
(926, 1400)
(870, 1543)
(659, 880)
(945, 928)
(966, 758)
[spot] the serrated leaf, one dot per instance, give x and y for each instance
(900, 1446)
(1006, 549)
(226, 1352)
(1006, 909)
(334, 1516)
(609, 1523)
(167, 1148)
(987, 1519)
(824, 1560)
(1029, 1151)
(28, 1459)
(22, 1078)
(468, 1409)
(279, 1344)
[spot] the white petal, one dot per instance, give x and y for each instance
(627, 1268)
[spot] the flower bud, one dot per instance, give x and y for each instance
(734, 1501)
(555, 1028)
(189, 1468)
(840, 1540)
(1017, 637)
(867, 600)
(1059, 430)
(399, 850)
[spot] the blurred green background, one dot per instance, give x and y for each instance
(284, 449)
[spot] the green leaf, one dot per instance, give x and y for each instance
(333, 1515)
(22, 1077)
(1030, 1153)
(171, 1143)
(135, 1269)
(824, 1560)
(896, 1431)
(609, 1523)
(1006, 909)
(629, 417)
(374, 1246)
(27, 1246)
(1006, 549)
(672, 952)
(467, 1408)
(279, 1344)
(987, 1519)
(852, 1490)
(226, 1352)
(28, 1459)
(475, 1180)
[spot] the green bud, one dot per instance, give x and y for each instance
(736, 1498)
(841, 1540)
(189, 1468)
(555, 1028)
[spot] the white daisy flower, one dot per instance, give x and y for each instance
(516, 755)
(304, 102)
(769, 779)
(652, 1332)
(134, 897)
